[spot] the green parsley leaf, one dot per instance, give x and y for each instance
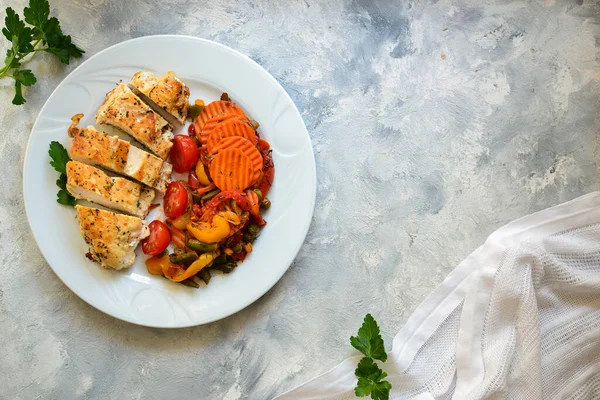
(17, 33)
(60, 157)
(24, 41)
(370, 380)
(18, 99)
(369, 341)
(25, 76)
(61, 182)
(37, 13)
(63, 197)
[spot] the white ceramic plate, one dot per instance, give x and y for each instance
(208, 68)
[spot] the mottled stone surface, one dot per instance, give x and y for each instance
(433, 123)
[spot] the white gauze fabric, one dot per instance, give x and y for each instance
(518, 319)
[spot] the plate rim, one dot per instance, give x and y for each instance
(313, 195)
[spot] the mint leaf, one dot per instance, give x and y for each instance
(369, 340)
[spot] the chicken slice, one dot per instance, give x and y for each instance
(167, 92)
(93, 147)
(112, 237)
(92, 184)
(126, 111)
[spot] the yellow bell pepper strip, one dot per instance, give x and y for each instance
(214, 232)
(155, 265)
(201, 174)
(178, 274)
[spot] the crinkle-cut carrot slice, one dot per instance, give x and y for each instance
(247, 148)
(212, 123)
(217, 108)
(230, 128)
(231, 169)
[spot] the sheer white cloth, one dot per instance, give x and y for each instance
(518, 319)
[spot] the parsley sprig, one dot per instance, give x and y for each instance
(370, 376)
(44, 34)
(60, 158)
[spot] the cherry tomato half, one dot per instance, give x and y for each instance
(184, 153)
(176, 200)
(158, 240)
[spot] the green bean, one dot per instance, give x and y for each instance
(225, 268)
(266, 203)
(197, 245)
(236, 209)
(185, 258)
(253, 229)
(204, 275)
(196, 197)
(258, 193)
(211, 194)
(222, 259)
(190, 283)
(237, 248)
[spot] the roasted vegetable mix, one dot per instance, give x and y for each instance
(214, 217)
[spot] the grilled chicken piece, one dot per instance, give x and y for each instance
(92, 184)
(126, 111)
(169, 95)
(112, 237)
(97, 148)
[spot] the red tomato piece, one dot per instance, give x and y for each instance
(176, 200)
(158, 240)
(192, 130)
(184, 153)
(193, 181)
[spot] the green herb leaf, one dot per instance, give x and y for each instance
(369, 341)
(370, 380)
(63, 197)
(37, 13)
(61, 182)
(25, 76)
(18, 99)
(23, 39)
(17, 33)
(60, 157)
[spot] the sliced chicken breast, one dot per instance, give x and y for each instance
(112, 237)
(92, 184)
(126, 111)
(167, 93)
(93, 147)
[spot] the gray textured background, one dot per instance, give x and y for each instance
(433, 123)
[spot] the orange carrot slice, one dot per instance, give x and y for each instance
(231, 169)
(217, 108)
(247, 148)
(212, 123)
(229, 128)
